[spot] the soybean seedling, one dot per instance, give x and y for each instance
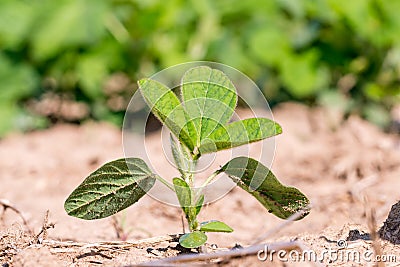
(199, 124)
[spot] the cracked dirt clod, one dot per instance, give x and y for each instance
(391, 227)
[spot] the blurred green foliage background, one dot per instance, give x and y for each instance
(70, 60)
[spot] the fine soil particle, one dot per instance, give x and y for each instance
(391, 227)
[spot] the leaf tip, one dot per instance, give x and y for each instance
(278, 128)
(215, 226)
(141, 82)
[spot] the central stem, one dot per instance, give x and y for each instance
(192, 216)
(186, 162)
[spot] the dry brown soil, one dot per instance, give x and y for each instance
(349, 169)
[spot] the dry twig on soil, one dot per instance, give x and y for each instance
(224, 255)
(45, 226)
(7, 205)
(68, 246)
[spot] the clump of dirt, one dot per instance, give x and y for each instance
(356, 234)
(391, 227)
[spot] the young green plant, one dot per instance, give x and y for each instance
(199, 123)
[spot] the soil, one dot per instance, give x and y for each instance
(348, 169)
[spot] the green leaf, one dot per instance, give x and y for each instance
(22, 16)
(209, 98)
(166, 106)
(199, 204)
(183, 193)
(181, 156)
(8, 114)
(67, 23)
(92, 71)
(239, 133)
(259, 181)
(215, 226)
(377, 114)
(110, 189)
(269, 38)
(193, 240)
(17, 80)
(303, 75)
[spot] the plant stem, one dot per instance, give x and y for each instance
(206, 182)
(186, 160)
(209, 179)
(192, 221)
(165, 182)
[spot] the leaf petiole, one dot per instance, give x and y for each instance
(210, 179)
(206, 182)
(165, 182)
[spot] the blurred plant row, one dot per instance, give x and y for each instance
(70, 60)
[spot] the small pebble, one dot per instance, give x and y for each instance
(237, 246)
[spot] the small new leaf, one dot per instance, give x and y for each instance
(165, 105)
(193, 240)
(259, 181)
(181, 156)
(110, 189)
(215, 226)
(183, 193)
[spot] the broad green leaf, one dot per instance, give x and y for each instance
(18, 81)
(215, 226)
(183, 193)
(193, 240)
(209, 98)
(166, 106)
(92, 71)
(268, 38)
(67, 23)
(303, 75)
(22, 16)
(110, 189)
(239, 133)
(259, 181)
